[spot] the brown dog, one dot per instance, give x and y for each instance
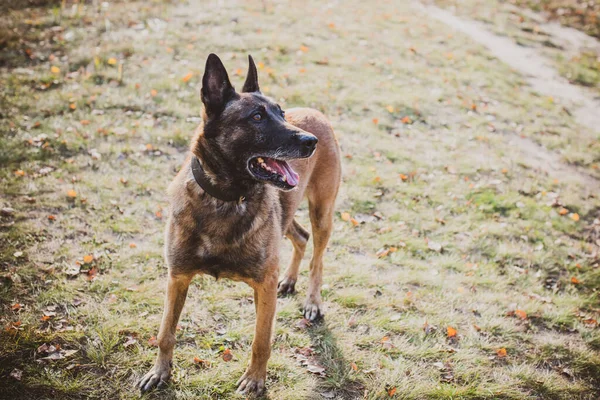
(235, 198)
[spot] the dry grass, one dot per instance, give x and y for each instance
(448, 176)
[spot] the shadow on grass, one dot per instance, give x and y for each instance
(340, 378)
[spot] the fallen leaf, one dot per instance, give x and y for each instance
(382, 253)
(187, 77)
(153, 92)
(501, 352)
(575, 217)
(88, 259)
(451, 332)
(354, 366)
(16, 307)
(16, 374)
(132, 245)
(521, 314)
(201, 363)
(153, 342)
(51, 218)
(391, 391)
(55, 70)
(345, 216)
(71, 194)
(406, 120)
(112, 61)
(20, 172)
(390, 109)
(575, 281)
(375, 121)
(315, 369)
(227, 356)
(563, 211)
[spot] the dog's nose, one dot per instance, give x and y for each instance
(308, 142)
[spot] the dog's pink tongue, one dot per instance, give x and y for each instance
(283, 168)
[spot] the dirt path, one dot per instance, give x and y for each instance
(540, 75)
(544, 79)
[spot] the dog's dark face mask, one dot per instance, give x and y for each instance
(246, 133)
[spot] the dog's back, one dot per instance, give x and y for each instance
(320, 175)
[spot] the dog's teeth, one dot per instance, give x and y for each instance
(260, 160)
(285, 178)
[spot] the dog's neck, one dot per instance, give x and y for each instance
(217, 179)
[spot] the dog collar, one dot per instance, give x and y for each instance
(204, 182)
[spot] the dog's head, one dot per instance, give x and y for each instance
(247, 132)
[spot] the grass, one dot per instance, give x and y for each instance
(443, 176)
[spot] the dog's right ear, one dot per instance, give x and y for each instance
(216, 88)
(251, 84)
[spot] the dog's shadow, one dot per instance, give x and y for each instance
(339, 380)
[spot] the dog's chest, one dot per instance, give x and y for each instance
(234, 245)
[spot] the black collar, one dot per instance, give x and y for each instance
(235, 194)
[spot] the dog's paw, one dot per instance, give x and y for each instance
(286, 286)
(313, 310)
(157, 377)
(252, 383)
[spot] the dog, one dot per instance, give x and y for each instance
(234, 199)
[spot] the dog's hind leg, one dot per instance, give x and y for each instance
(177, 288)
(321, 218)
(299, 237)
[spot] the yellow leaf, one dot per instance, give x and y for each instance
(304, 49)
(188, 77)
(72, 194)
(501, 352)
(406, 120)
(88, 259)
(20, 172)
(153, 92)
(575, 281)
(112, 61)
(390, 109)
(55, 70)
(72, 106)
(345, 216)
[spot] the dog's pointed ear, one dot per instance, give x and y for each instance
(251, 84)
(216, 88)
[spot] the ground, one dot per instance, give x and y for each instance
(464, 262)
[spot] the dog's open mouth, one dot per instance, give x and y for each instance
(278, 172)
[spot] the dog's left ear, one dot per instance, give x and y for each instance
(251, 84)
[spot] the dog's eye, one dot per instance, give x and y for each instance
(257, 117)
(282, 113)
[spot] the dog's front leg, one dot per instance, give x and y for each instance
(265, 301)
(177, 288)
